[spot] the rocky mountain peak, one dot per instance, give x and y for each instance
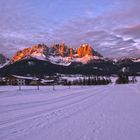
(36, 50)
(58, 53)
(84, 50)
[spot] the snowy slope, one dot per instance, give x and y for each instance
(59, 60)
(85, 59)
(5, 64)
(79, 113)
(38, 55)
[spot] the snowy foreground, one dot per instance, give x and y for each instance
(109, 112)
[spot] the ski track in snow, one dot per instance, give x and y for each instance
(51, 117)
(53, 101)
(22, 106)
(69, 102)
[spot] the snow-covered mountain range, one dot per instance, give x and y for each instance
(61, 54)
(58, 54)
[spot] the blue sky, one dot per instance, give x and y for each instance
(110, 27)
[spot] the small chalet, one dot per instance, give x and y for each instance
(20, 80)
(13, 80)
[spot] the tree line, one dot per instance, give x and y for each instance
(89, 81)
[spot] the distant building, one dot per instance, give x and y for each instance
(47, 82)
(13, 80)
(18, 80)
(2, 81)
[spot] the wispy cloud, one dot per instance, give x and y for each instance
(112, 28)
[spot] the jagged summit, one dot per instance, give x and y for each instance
(34, 51)
(60, 50)
(58, 53)
(84, 50)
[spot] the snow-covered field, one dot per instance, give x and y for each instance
(109, 112)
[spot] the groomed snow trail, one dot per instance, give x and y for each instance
(79, 113)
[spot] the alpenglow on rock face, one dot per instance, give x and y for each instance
(58, 53)
(34, 51)
(61, 50)
(84, 50)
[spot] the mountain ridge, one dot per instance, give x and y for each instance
(41, 59)
(58, 53)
